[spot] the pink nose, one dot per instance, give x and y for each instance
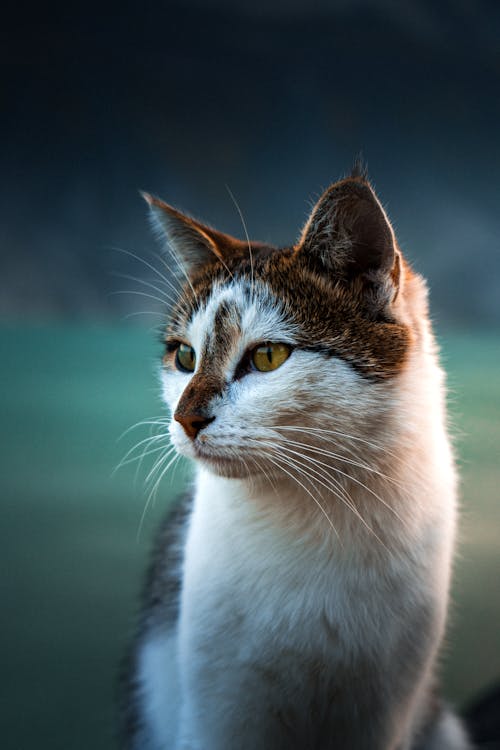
(192, 423)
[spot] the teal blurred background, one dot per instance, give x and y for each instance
(274, 99)
(72, 558)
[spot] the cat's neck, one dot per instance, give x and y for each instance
(389, 506)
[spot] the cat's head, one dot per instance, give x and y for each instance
(272, 352)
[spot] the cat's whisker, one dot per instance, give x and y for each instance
(158, 330)
(344, 496)
(317, 473)
(165, 440)
(312, 448)
(148, 441)
(158, 467)
(174, 255)
(171, 464)
(247, 238)
(260, 469)
(330, 484)
(168, 298)
(138, 293)
(175, 466)
(155, 313)
(281, 464)
(325, 434)
(148, 265)
(249, 473)
(358, 482)
(158, 464)
(152, 493)
(344, 459)
(140, 457)
(143, 456)
(176, 289)
(267, 475)
(376, 446)
(308, 470)
(161, 422)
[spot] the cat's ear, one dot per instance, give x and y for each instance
(193, 244)
(348, 236)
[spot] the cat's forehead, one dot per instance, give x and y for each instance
(281, 299)
(240, 309)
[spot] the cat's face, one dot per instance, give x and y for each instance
(282, 361)
(260, 383)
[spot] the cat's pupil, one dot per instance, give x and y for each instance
(270, 356)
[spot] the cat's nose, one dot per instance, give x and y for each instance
(193, 423)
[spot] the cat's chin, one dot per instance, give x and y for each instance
(229, 468)
(225, 466)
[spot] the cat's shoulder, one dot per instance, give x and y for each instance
(158, 615)
(160, 597)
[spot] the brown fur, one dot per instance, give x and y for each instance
(345, 308)
(335, 319)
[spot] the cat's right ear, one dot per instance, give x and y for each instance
(192, 244)
(348, 236)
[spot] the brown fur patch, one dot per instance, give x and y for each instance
(333, 315)
(336, 320)
(208, 382)
(198, 395)
(338, 314)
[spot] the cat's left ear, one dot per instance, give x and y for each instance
(193, 244)
(349, 237)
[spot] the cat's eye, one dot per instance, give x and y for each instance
(269, 356)
(185, 358)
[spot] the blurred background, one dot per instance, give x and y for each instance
(273, 99)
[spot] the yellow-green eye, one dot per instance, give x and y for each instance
(270, 356)
(185, 358)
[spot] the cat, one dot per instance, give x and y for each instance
(298, 596)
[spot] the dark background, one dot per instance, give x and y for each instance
(274, 100)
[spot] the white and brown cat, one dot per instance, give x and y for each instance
(298, 599)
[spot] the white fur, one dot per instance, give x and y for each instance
(449, 733)
(266, 578)
(159, 695)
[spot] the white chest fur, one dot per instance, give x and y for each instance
(264, 605)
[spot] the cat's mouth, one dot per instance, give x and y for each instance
(227, 461)
(220, 463)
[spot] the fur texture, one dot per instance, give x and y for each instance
(315, 567)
